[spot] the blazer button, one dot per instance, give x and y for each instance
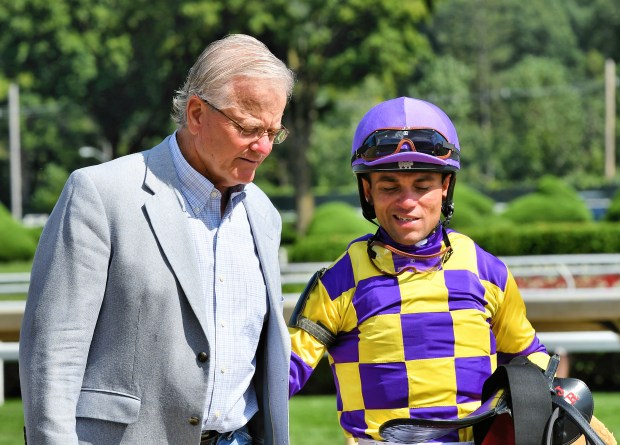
(203, 356)
(194, 420)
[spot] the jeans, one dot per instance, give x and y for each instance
(239, 437)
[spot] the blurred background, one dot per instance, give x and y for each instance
(530, 86)
(526, 84)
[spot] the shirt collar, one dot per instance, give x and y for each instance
(194, 186)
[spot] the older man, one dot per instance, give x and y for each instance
(154, 310)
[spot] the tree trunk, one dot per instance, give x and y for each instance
(302, 177)
(303, 113)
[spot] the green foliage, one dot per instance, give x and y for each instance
(314, 420)
(333, 227)
(330, 143)
(120, 62)
(613, 212)
(12, 422)
(45, 196)
(553, 201)
(18, 243)
(318, 248)
(541, 208)
(338, 218)
(552, 186)
(471, 207)
(532, 91)
(533, 130)
(543, 239)
(289, 233)
(16, 266)
(522, 82)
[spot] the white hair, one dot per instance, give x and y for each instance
(223, 61)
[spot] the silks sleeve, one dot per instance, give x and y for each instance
(313, 328)
(514, 333)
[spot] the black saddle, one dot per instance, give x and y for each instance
(544, 410)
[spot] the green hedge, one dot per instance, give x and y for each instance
(17, 243)
(613, 212)
(547, 238)
(553, 201)
(552, 220)
(333, 226)
(472, 208)
(502, 240)
(338, 217)
(319, 248)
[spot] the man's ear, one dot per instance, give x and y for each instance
(366, 186)
(445, 184)
(195, 113)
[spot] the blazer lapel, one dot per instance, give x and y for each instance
(262, 236)
(166, 211)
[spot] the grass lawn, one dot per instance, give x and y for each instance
(16, 266)
(313, 419)
(11, 423)
(607, 409)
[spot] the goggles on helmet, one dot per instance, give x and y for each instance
(386, 142)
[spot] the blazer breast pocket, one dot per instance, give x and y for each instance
(108, 405)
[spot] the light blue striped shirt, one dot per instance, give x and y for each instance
(234, 291)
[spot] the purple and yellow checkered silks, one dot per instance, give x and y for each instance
(415, 345)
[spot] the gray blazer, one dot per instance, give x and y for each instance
(115, 324)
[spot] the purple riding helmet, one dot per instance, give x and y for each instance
(406, 134)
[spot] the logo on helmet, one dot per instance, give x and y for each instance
(405, 164)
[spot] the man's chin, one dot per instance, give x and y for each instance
(244, 178)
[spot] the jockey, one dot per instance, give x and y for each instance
(415, 317)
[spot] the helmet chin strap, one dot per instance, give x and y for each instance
(447, 206)
(448, 210)
(445, 253)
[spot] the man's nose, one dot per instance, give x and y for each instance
(408, 198)
(262, 145)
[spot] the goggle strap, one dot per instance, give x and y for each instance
(447, 250)
(411, 255)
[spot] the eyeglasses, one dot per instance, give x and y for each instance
(406, 262)
(387, 142)
(276, 136)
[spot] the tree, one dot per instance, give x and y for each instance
(331, 44)
(534, 91)
(91, 73)
(121, 60)
(540, 118)
(597, 25)
(103, 72)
